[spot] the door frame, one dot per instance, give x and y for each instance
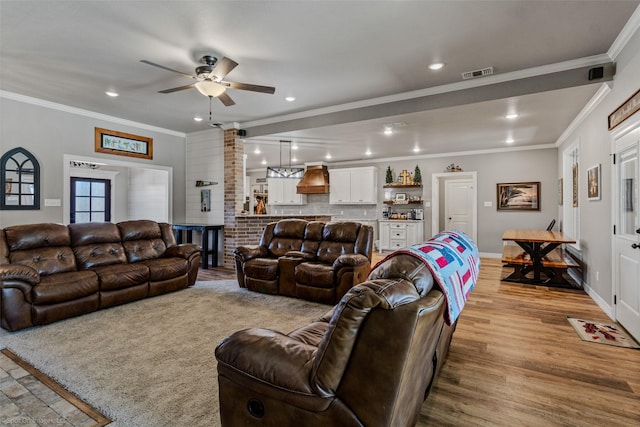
(89, 173)
(632, 125)
(437, 198)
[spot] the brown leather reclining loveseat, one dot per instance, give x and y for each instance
(369, 361)
(311, 260)
(50, 272)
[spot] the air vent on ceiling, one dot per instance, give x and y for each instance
(477, 73)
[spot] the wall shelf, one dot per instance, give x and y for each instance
(402, 186)
(410, 202)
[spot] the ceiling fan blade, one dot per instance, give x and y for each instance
(247, 86)
(226, 99)
(222, 68)
(176, 89)
(166, 68)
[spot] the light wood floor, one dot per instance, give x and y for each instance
(515, 361)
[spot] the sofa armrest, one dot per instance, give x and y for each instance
(19, 272)
(268, 356)
(245, 253)
(350, 260)
(184, 250)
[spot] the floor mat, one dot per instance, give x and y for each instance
(602, 333)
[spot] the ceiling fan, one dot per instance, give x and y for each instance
(208, 79)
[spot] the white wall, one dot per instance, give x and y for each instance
(205, 157)
(49, 131)
(148, 194)
(595, 147)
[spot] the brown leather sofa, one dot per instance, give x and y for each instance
(50, 272)
(311, 260)
(370, 361)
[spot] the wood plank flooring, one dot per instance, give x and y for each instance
(515, 361)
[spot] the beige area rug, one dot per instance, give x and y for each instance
(151, 363)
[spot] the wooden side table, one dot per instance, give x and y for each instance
(210, 233)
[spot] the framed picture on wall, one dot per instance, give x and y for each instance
(123, 144)
(518, 196)
(593, 183)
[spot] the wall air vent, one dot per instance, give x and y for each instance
(477, 73)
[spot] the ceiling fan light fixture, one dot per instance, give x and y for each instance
(210, 88)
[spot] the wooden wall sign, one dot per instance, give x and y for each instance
(123, 144)
(626, 110)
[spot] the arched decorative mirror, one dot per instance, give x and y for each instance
(19, 180)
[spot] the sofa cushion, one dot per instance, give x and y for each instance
(96, 255)
(328, 250)
(31, 236)
(141, 250)
(166, 268)
(88, 233)
(46, 260)
(62, 287)
(120, 276)
(139, 230)
(315, 274)
(262, 268)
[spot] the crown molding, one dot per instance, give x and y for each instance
(86, 113)
(625, 35)
(595, 100)
(434, 156)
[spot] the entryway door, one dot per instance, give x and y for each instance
(458, 211)
(626, 241)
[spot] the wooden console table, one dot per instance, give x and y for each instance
(209, 234)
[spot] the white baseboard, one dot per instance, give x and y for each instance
(604, 306)
(490, 255)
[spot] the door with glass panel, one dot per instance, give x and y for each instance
(626, 245)
(90, 200)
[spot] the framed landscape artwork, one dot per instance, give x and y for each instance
(518, 196)
(593, 183)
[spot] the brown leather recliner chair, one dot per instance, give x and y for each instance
(368, 362)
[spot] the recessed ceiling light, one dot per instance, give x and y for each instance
(294, 147)
(112, 93)
(293, 159)
(328, 156)
(290, 98)
(511, 116)
(388, 129)
(367, 153)
(256, 151)
(416, 149)
(264, 162)
(436, 66)
(509, 141)
(197, 118)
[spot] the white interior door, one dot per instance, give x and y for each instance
(458, 209)
(626, 245)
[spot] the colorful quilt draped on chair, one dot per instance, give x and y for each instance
(453, 260)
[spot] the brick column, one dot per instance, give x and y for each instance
(233, 192)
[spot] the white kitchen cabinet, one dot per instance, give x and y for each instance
(353, 186)
(400, 234)
(282, 191)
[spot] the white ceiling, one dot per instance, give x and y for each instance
(353, 66)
